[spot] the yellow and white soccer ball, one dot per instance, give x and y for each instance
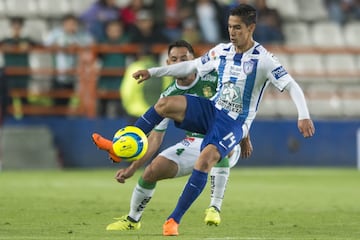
(130, 143)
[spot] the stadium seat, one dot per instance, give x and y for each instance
(351, 100)
(308, 67)
(122, 3)
(53, 9)
(24, 8)
(324, 100)
(40, 82)
(341, 67)
(288, 11)
(327, 34)
(79, 6)
(352, 34)
(312, 12)
(36, 29)
(5, 28)
(2, 8)
(297, 34)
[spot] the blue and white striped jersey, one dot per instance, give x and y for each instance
(242, 78)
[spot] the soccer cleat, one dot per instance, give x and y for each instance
(106, 145)
(123, 224)
(212, 216)
(170, 228)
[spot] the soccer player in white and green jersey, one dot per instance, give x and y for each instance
(178, 160)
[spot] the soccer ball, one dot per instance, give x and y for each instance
(130, 143)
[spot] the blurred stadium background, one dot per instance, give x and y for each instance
(317, 41)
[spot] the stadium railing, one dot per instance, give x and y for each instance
(88, 72)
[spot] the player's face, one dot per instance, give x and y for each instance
(240, 34)
(179, 54)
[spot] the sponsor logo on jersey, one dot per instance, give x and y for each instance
(230, 98)
(279, 72)
(248, 67)
(187, 141)
(235, 71)
(205, 58)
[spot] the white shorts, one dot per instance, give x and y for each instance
(186, 152)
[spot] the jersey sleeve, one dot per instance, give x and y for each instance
(276, 72)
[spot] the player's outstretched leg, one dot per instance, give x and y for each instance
(192, 190)
(106, 145)
(148, 120)
(142, 194)
(219, 175)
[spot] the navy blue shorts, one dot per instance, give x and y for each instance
(201, 116)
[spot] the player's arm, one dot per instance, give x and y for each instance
(246, 147)
(181, 69)
(305, 124)
(283, 81)
(155, 139)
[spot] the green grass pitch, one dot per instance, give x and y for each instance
(260, 203)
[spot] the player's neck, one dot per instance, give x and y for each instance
(245, 47)
(186, 81)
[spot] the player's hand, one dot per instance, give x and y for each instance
(123, 174)
(306, 127)
(141, 75)
(246, 147)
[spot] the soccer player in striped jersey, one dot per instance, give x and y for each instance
(179, 159)
(245, 69)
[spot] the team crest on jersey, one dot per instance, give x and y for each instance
(207, 92)
(248, 67)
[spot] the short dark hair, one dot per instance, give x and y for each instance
(70, 16)
(181, 43)
(246, 12)
(17, 20)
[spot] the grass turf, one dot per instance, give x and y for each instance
(260, 203)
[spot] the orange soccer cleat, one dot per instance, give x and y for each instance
(106, 145)
(170, 228)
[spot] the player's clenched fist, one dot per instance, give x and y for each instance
(141, 75)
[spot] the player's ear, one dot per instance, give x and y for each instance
(251, 27)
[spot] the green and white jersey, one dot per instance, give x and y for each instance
(202, 86)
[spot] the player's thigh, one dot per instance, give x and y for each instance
(184, 154)
(160, 168)
(172, 107)
(199, 115)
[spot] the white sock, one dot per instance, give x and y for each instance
(218, 177)
(139, 199)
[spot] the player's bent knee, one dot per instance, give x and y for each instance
(173, 106)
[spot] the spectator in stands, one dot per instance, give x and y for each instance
(17, 42)
(145, 31)
(128, 13)
(269, 26)
(169, 15)
(136, 98)
(115, 35)
(209, 19)
(342, 11)
(190, 31)
(71, 36)
(96, 16)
